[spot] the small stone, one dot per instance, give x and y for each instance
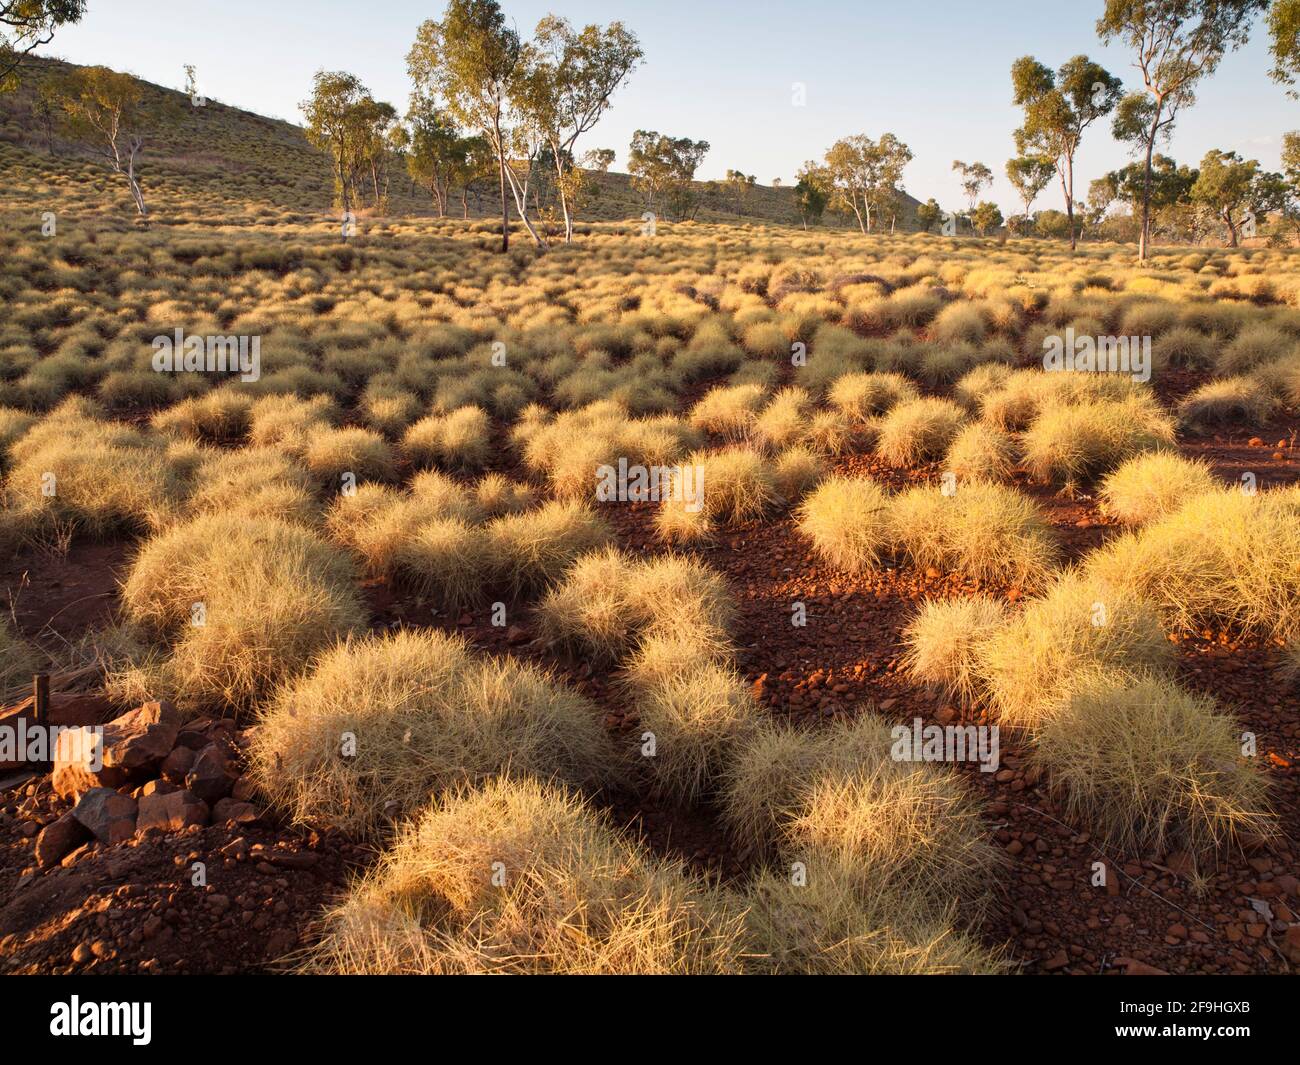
(108, 814)
(230, 810)
(212, 776)
(171, 811)
(58, 839)
(177, 764)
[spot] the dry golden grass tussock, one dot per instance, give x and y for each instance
(459, 440)
(796, 471)
(1076, 625)
(609, 598)
(1073, 443)
(380, 725)
(18, 660)
(258, 482)
(783, 422)
(72, 467)
(862, 397)
(521, 877)
(1228, 558)
(847, 521)
(842, 793)
(988, 531)
(1227, 401)
(918, 431)
(697, 713)
(348, 456)
(222, 416)
(944, 643)
(244, 601)
(729, 411)
(532, 550)
(834, 925)
(981, 452)
(1151, 767)
(1150, 486)
(725, 487)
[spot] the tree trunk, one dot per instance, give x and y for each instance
(1144, 238)
(135, 185)
(505, 210)
(558, 152)
(1069, 199)
(344, 191)
(520, 193)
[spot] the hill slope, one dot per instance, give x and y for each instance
(222, 161)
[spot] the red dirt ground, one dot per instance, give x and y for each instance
(132, 908)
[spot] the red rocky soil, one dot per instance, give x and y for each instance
(133, 906)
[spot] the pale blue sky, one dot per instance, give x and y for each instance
(935, 73)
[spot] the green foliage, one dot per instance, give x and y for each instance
(665, 166)
(25, 25)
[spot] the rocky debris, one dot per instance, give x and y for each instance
(108, 814)
(177, 764)
(79, 766)
(65, 711)
(125, 747)
(154, 787)
(1291, 944)
(58, 839)
(141, 737)
(212, 776)
(230, 810)
(1133, 967)
(171, 811)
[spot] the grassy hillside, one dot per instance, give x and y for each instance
(221, 162)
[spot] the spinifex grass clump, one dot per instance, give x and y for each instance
(1229, 558)
(18, 660)
(240, 603)
(609, 599)
(918, 430)
(259, 482)
(847, 521)
(381, 724)
(981, 452)
(871, 856)
(1227, 401)
(1076, 625)
(101, 476)
(714, 489)
(862, 397)
(521, 877)
(1151, 767)
(840, 791)
(1072, 443)
(835, 925)
(695, 712)
(729, 411)
(945, 639)
(987, 531)
(459, 440)
(1150, 486)
(532, 550)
